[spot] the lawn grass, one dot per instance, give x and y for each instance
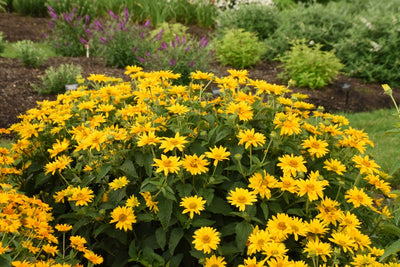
(11, 52)
(375, 124)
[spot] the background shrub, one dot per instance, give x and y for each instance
(370, 49)
(317, 22)
(306, 65)
(79, 8)
(2, 42)
(55, 79)
(239, 49)
(260, 19)
(34, 8)
(30, 54)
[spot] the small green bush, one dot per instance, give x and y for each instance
(308, 66)
(34, 8)
(55, 79)
(324, 24)
(2, 42)
(165, 32)
(29, 54)
(261, 19)
(239, 49)
(370, 49)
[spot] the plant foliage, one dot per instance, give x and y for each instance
(29, 54)
(154, 174)
(55, 79)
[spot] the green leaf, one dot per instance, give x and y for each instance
(390, 229)
(80, 223)
(198, 222)
(165, 211)
(128, 168)
(102, 228)
(5, 260)
(103, 172)
(176, 260)
(265, 210)
(174, 238)
(184, 190)
(220, 206)
(207, 194)
(161, 237)
(390, 250)
(150, 256)
(41, 178)
(242, 230)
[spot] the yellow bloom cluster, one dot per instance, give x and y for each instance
(292, 179)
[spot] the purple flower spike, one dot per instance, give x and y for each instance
(183, 39)
(67, 17)
(103, 40)
(51, 25)
(121, 26)
(112, 14)
(83, 41)
(98, 25)
(177, 39)
(186, 49)
(172, 62)
(160, 34)
(173, 44)
(147, 23)
(52, 12)
(191, 64)
(148, 54)
(87, 18)
(141, 59)
(126, 13)
(163, 46)
(88, 31)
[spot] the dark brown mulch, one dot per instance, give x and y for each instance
(17, 94)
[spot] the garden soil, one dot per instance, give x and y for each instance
(17, 93)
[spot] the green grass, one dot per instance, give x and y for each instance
(11, 52)
(375, 124)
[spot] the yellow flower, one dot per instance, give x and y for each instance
(349, 220)
(92, 257)
(257, 240)
(329, 211)
(124, 217)
(78, 243)
(148, 139)
(149, 201)
(218, 154)
(198, 75)
(63, 227)
(206, 239)
(335, 166)
(289, 124)
(167, 164)
(279, 225)
(24, 263)
(316, 227)
(315, 147)
(313, 187)
(252, 262)
(287, 183)
(132, 202)
(50, 249)
(251, 138)
(175, 142)
(275, 250)
(316, 248)
(360, 260)
(344, 240)
(3, 249)
(178, 109)
(119, 183)
(242, 109)
(358, 197)
(194, 164)
(82, 196)
(60, 164)
(132, 69)
(58, 147)
(365, 164)
(262, 183)
(215, 261)
(193, 204)
(292, 164)
(241, 197)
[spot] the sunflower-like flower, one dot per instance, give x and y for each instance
(124, 217)
(193, 204)
(241, 197)
(206, 239)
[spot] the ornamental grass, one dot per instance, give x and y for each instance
(224, 171)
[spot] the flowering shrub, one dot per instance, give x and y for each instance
(156, 174)
(69, 32)
(27, 234)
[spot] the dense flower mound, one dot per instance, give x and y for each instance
(225, 171)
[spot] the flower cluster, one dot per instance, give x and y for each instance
(158, 173)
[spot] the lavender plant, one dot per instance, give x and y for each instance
(181, 54)
(122, 43)
(70, 32)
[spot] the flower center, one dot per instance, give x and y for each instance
(122, 218)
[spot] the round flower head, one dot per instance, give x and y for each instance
(124, 217)
(215, 261)
(206, 239)
(241, 197)
(192, 205)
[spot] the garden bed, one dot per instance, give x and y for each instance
(17, 93)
